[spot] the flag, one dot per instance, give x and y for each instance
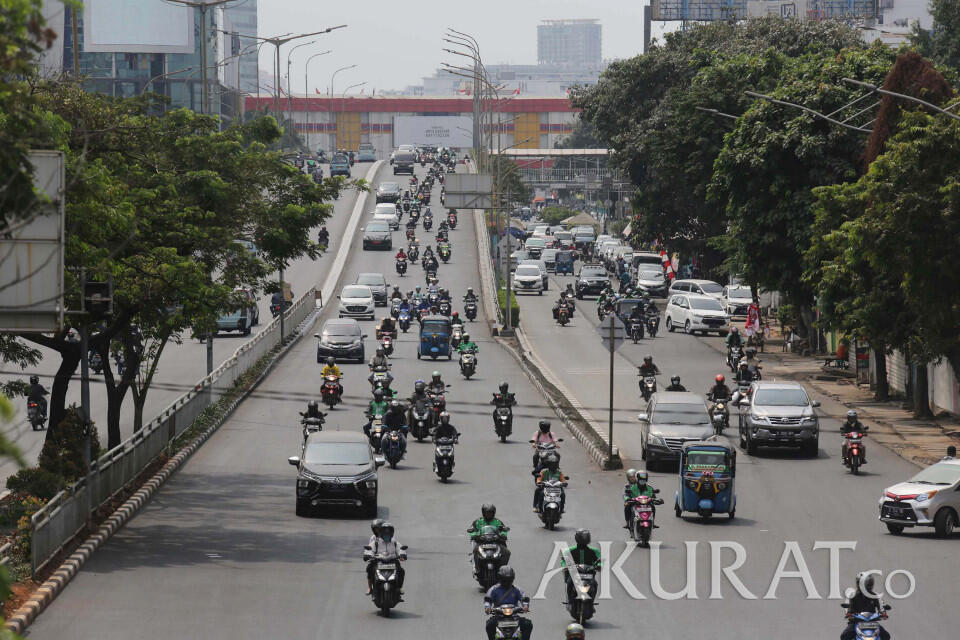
(667, 268)
(517, 91)
(318, 91)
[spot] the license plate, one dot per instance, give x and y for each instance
(868, 626)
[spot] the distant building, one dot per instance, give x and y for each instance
(569, 43)
(241, 18)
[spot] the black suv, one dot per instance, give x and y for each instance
(403, 162)
(388, 192)
(592, 280)
(336, 468)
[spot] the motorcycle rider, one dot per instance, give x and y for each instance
(387, 326)
(375, 528)
(719, 391)
(379, 359)
(542, 435)
(313, 411)
(417, 294)
(467, 346)
(852, 424)
(396, 294)
(456, 319)
(385, 544)
(636, 486)
(636, 317)
(581, 553)
(331, 369)
(744, 374)
(323, 237)
(753, 362)
(428, 252)
(396, 420)
(436, 385)
(445, 429)
(430, 263)
(734, 339)
(864, 599)
(648, 369)
(36, 394)
(575, 632)
(675, 385)
(488, 518)
(377, 407)
(470, 296)
(505, 593)
(551, 471)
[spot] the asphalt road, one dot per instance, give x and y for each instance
(219, 553)
(182, 364)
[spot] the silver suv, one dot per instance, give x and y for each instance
(929, 499)
(778, 414)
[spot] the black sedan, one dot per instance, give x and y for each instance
(388, 192)
(591, 280)
(342, 339)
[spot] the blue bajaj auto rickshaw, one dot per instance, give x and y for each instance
(435, 338)
(707, 472)
(564, 263)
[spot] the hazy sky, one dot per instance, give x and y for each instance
(397, 43)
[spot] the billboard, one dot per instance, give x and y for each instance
(442, 131)
(699, 10)
(137, 26)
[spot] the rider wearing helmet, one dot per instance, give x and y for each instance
(488, 518)
(675, 385)
(470, 296)
(550, 472)
(384, 544)
(331, 369)
(445, 429)
(542, 435)
(36, 394)
(467, 346)
(505, 397)
(378, 407)
(436, 383)
(455, 318)
(504, 592)
(720, 390)
(648, 368)
(853, 424)
(313, 411)
(323, 238)
(379, 360)
(734, 339)
(581, 554)
(864, 599)
(375, 527)
(634, 489)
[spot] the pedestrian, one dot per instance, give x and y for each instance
(951, 453)
(752, 325)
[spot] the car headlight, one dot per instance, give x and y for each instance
(923, 497)
(303, 483)
(371, 484)
(758, 418)
(653, 438)
(810, 419)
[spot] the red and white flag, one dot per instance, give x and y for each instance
(517, 91)
(318, 91)
(667, 267)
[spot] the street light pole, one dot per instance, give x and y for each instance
(290, 83)
(306, 82)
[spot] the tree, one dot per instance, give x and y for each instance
(508, 185)
(556, 215)
(583, 136)
(774, 157)
(942, 42)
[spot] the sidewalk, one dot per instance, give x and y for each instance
(922, 442)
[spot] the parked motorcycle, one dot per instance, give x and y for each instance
(330, 391)
(443, 458)
(642, 523)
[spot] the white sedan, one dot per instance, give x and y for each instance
(356, 301)
(694, 313)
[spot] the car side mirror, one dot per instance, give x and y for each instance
(379, 461)
(643, 417)
(294, 461)
(815, 403)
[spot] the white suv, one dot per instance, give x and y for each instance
(696, 313)
(929, 499)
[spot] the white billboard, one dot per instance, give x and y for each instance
(442, 131)
(137, 26)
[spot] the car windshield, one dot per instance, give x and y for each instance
(528, 271)
(940, 473)
(705, 304)
(562, 235)
(405, 157)
(520, 255)
(536, 242)
(682, 414)
(340, 330)
(711, 287)
(651, 275)
(339, 157)
(743, 294)
(594, 272)
(356, 292)
(706, 461)
(371, 278)
(377, 226)
(390, 186)
(780, 398)
(336, 453)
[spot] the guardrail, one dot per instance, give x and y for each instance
(66, 513)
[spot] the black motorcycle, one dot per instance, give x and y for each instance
(386, 592)
(470, 310)
(581, 600)
(653, 324)
(419, 420)
(489, 554)
(443, 458)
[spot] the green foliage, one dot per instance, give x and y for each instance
(507, 183)
(37, 482)
(514, 306)
(583, 136)
(63, 455)
(556, 215)
(942, 42)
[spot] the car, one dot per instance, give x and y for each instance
(528, 279)
(366, 152)
(694, 313)
(549, 257)
(563, 240)
(377, 235)
(698, 287)
(592, 279)
(341, 339)
(652, 281)
(404, 161)
(736, 299)
(378, 284)
(643, 260)
(931, 498)
(778, 414)
(535, 246)
(336, 468)
(672, 418)
(517, 257)
(247, 316)
(388, 192)
(387, 212)
(542, 266)
(340, 165)
(356, 301)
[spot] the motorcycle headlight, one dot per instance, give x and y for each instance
(584, 588)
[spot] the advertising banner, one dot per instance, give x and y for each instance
(137, 26)
(442, 131)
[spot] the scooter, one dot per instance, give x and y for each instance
(855, 453)
(488, 556)
(866, 623)
(550, 510)
(404, 320)
(376, 432)
(582, 605)
(508, 622)
(401, 267)
(456, 333)
(719, 416)
(444, 253)
(419, 421)
(636, 332)
(392, 447)
(386, 593)
(330, 391)
(37, 416)
(503, 422)
(644, 513)
(648, 386)
(544, 450)
(470, 310)
(452, 220)
(653, 324)
(387, 343)
(468, 364)
(563, 315)
(311, 425)
(443, 458)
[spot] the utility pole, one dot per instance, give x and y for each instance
(290, 82)
(306, 82)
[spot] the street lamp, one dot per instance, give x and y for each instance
(306, 81)
(290, 84)
(333, 146)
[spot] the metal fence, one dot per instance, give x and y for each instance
(65, 515)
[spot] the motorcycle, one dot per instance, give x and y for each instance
(866, 624)
(636, 331)
(444, 252)
(553, 496)
(404, 320)
(488, 556)
(437, 406)
(413, 252)
(468, 363)
(427, 222)
(456, 333)
(581, 605)
(855, 452)
(470, 310)
(386, 593)
(36, 415)
(648, 386)
(401, 267)
(95, 362)
(444, 308)
(563, 315)
(419, 420)
(430, 274)
(443, 458)
(452, 220)
(395, 308)
(330, 391)
(311, 425)
(392, 447)
(644, 513)
(376, 432)
(653, 324)
(387, 343)
(544, 449)
(734, 355)
(380, 378)
(508, 622)
(719, 416)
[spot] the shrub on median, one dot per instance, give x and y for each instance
(514, 306)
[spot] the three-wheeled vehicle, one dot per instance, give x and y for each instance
(435, 338)
(564, 263)
(707, 473)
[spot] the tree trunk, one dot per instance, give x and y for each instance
(921, 398)
(806, 329)
(882, 391)
(69, 361)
